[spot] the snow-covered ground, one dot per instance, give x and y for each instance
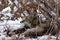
(45, 37)
(13, 25)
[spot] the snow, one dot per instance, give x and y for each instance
(20, 19)
(44, 37)
(15, 8)
(25, 12)
(2, 23)
(42, 5)
(53, 13)
(47, 37)
(10, 3)
(2, 37)
(16, 2)
(13, 24)
(9, 14)
(43, 17)
(7, 38)
(22, 15)
(6, 10)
